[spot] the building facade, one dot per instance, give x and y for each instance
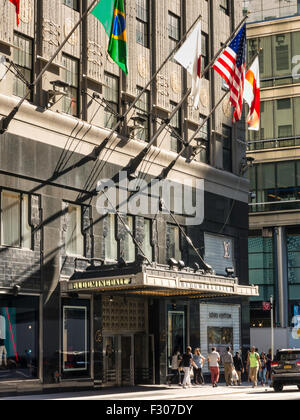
(90, 299)
(274, 243)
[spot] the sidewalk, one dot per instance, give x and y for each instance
(148, 392)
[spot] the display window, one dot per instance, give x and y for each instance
(76, 337)
(19, 327)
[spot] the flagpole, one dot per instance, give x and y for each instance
(5, 121)
(98, 149)
(135, 162)
(166, 170)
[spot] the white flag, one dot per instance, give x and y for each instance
(189, 56)
(252, 95)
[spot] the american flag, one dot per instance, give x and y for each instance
(231, 65)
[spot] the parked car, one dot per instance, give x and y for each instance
(286, 369)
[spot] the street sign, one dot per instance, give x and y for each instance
(266, 306)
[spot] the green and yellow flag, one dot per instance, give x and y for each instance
(111, 14)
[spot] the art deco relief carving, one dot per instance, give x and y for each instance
(51, 32)
(26, 11)
(95, 56)
(227, 107)
(175, 82)
(162, 85)
(69, 25)
(143, 67)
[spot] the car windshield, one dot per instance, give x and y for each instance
(289, 356)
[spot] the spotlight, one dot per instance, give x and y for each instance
(230, 271)
(196, 267)
(16, 289)
(208, 269)
(122, 263)
(111, 299)
(181, 264)
(172, 262)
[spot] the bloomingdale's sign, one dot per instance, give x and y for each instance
(99, 284)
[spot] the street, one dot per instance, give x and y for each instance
(163, 393)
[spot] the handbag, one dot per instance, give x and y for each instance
(191, 372)
(234, 375)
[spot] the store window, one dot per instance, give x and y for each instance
(220, 337)
(19, 326)
(76, 337)
(176, 330)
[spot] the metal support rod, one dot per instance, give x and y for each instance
(272, 327)
(138, 97)
(6, 120)
(187, 238)
(126, 227)
(135, 162)
(167, 170)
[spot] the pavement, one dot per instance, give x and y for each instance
(159, 392)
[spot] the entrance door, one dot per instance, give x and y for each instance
(144, 359)
(127, 360)
(118, 357)
(110, 354)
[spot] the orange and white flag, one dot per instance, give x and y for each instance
(252, 95)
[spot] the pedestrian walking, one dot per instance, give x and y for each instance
(263, 369)
(227, 361)
(187, 364)
(239, 366)
(213, 362)
(268, 365)
(253, 366)
(199, 360)
(175, 366)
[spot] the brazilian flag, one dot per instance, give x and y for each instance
(111, 14)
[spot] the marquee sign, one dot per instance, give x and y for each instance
(99, 284)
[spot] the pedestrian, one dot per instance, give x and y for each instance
(199, 360)
(263, 369)
(187, 364)
(239, 366)
(227, 360)
(213, 362)
(253, 366)
(175, 366)
(268, 365)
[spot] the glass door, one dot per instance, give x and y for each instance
(144, 359)
(127, 360)
(110, 360)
